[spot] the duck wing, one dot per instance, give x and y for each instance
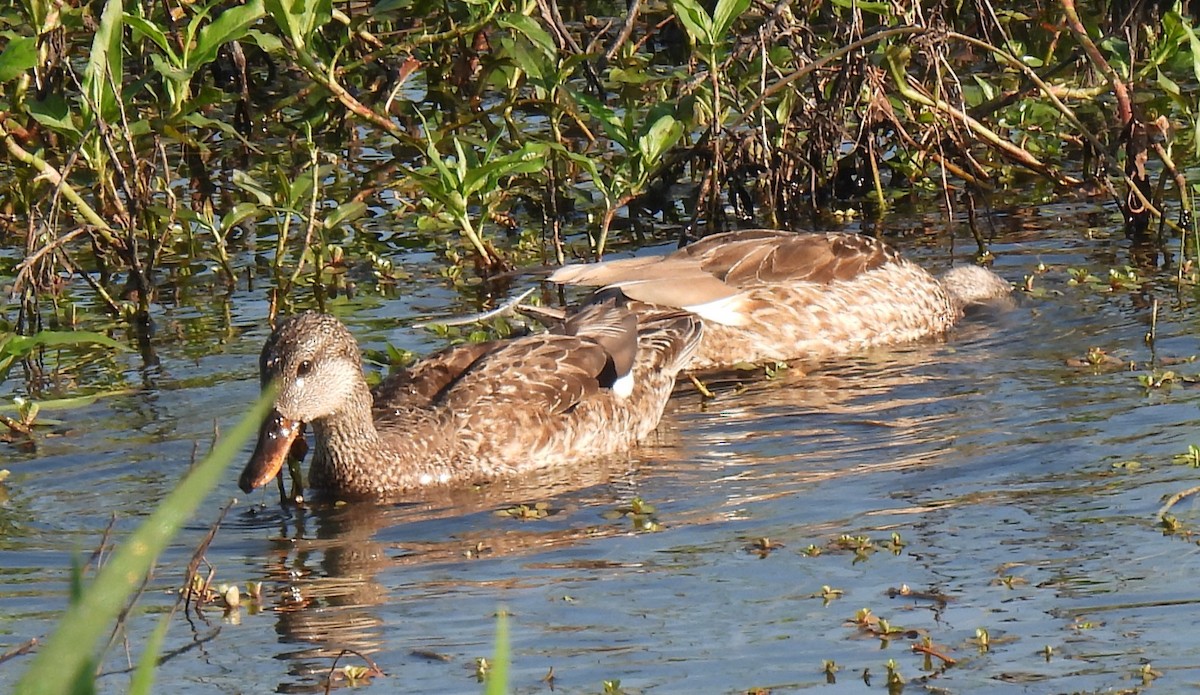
(707, 276)
(758, 257)
(550, 373)
(420, 384)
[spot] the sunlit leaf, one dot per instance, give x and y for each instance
(18, 56)
(663, 135)
(230, 25)
(268, 42)
(344, 213)
(103, 73)
(20, 345)
(497, 674)
(878, 8)
(1194, 43)
(524, 161)
(248, 183)
(152, 32)
(695, 20)
(531, 30)
(240, 213)
(723, 15)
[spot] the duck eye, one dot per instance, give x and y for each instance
(304, 368)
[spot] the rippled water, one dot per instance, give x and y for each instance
(1023, 491)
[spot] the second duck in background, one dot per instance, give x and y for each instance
(768, 295)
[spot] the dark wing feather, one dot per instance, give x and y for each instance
(614, 328)
(419, 385)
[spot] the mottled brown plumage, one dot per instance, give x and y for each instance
(468, 412)
(769, 295)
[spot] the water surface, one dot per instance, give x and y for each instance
(1022, 488)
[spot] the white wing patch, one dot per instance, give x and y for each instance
(727, 311)
(623, 386)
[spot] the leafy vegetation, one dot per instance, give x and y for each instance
(145, 145)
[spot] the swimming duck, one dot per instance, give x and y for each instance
(470, 412)
(768, 295)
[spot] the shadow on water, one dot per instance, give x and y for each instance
(992, 493)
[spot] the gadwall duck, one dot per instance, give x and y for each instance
(470, 412)
(769, 295)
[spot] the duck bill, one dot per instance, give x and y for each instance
(275, 439)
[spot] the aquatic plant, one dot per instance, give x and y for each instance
(145, 145)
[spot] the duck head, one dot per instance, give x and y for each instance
(316, 367)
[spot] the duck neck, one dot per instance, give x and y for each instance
(353, 457)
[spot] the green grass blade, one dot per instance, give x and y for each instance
(59, 663)
(497, 678)
(143, 677)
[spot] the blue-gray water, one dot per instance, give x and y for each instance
(1024, 489)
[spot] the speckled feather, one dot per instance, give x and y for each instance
(795, 295)
(475, 411)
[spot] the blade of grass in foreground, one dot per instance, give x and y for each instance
(497, 677)
(57, 668)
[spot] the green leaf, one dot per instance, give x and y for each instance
(593, 170)
(1167, 84)
(386, 6)
(54, 113)
(231, 25)
(299, 18)
(203, 123)
(344, 213)
(531, 30)
(248, 183)
(878, 8)
(240, 213)
(268, 42)
(1194, 44)
(104, 70)
(288, 24)
(21, 345)
(613, 125)
(300, 189)
(497, 677)
(527, 160)
(661, 137)
(527, 60)
(724, 14)
(152, 32)
(695, 21)
(19, 55)
(64, 654)
(13, 346)
(169, 70)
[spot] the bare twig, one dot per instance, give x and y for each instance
(23, 648)
(1177, 498)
